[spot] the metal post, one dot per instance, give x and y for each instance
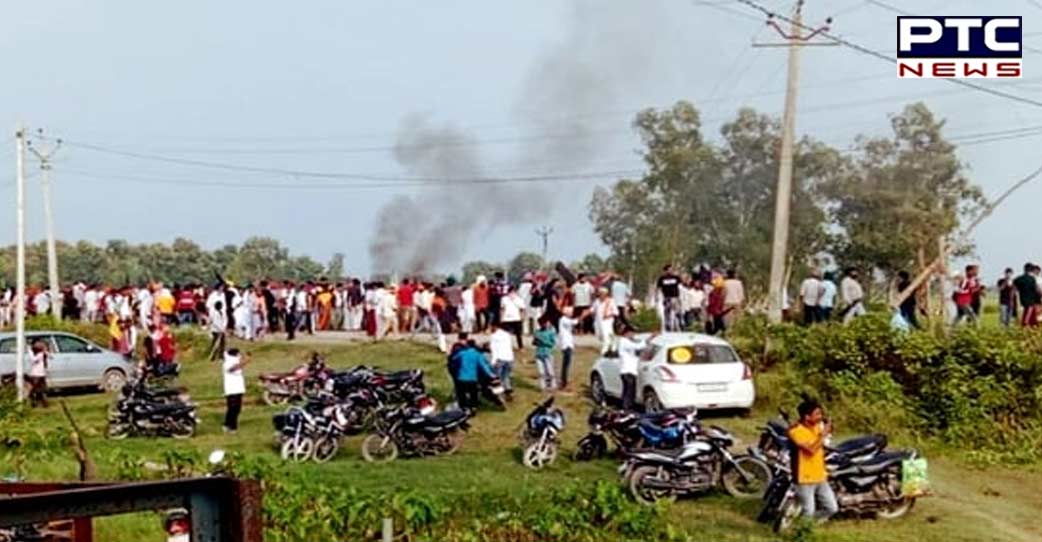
(52, 254)
(388, 530)
(19, 298)
(784, 192)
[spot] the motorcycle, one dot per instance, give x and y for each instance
(871, 486)
(405, 430)
(774, 443)
(539, 440)
(700, 465)
(296, 385)
(629, 430)
(294, 428)
(144, 418)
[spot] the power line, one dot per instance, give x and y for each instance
(866, 51)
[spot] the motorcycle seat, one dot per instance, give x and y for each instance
(859, 445)
(165, 408)
(445, 419)
(398, 377)
(876, 464)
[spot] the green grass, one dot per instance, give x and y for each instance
(970, 504)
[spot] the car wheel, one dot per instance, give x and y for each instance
(113, 380)
(651, 401)
(597, 392)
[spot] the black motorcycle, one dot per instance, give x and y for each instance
(699, 466)
(144, 418)
(868, 487)
(629, 430)
(405, 430)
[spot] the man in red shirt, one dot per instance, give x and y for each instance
(968, 289)
(185, 306)
(406, 309)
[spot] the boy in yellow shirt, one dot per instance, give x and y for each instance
(812, 479)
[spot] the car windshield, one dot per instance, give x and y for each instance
(701, 354)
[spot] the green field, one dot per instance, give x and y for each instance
(970, 504)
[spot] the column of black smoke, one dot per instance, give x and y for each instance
(609, 52)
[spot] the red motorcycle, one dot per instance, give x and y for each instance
(296, 385)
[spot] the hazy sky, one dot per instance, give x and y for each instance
(324, 86)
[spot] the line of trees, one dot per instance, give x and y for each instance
(881, 206)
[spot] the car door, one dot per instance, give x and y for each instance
(646, 369)
(7, 357)
(609, 369)
(79, 363)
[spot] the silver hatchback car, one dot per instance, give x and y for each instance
(77, 362)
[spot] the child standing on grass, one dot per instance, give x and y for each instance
(544, 341)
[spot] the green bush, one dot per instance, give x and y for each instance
(645, 320)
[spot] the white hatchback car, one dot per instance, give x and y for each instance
(680, 370)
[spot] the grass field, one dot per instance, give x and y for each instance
(969, 505)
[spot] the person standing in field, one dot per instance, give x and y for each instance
(808, 436)
(234, 387)
(566, 342)
(1007, 298)
(853, 296)
(468, 310)
(811, 291)
(544, 340)
(480, 291)
(218, 323)
(582, 300)
(629, 360)
(668, 285)
(715, 322)
(967, 287)
(734, 297)
(620, 295)
(511, 314)
(406, 307)
(38, 367)
(827, 303)
(909, 307)
(1028, 295)
(606, 314)
(502, 350)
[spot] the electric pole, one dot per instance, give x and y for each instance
(19, 298)
(44, 157)
(794, 40)
(545, 233)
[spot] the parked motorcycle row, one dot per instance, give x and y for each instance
(392, 406)
(150, 410)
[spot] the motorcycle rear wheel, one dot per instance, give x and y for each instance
(896, 510)
(375, 450)
(325, 449)
(645, 495)
(753, 487)
(589, 449)
(455, 440)
(298, 450)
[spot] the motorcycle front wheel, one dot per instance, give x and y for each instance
(750, 485)
(182, 430)
(538, 455)
(118, 431)
(638, 485)
(298, 450)
(377, 449)
(897, 509)
(325, 449)
(590, 448)
(789, 511)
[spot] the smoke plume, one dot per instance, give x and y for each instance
(608, 54)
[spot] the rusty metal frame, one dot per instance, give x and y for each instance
(222, 509)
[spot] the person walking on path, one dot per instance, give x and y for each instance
(234, 387)
(544, 340)
(217, 322)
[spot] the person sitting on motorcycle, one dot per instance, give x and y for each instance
(812, 485)
(471, 367)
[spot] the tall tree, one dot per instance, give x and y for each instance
(471, 270)
(522, 263)
(901, 195)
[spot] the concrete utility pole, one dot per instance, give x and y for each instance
(545, 233)
(19, 298)
(52, 254)
(783, 201)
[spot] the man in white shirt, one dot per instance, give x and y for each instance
(42, 303)
(91, 303)
(566, 341)
(217, 322)
(500, 344)
(524, 291)
(811, 292)
(582, 297)
(629, 362)
(620, 295)
(234, 387)
(511, 311)
(853, 296)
